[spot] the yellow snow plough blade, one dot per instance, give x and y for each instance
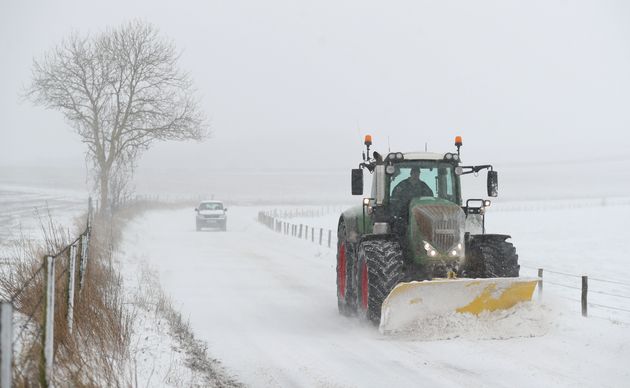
(414, 301)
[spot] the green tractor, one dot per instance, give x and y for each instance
(413, 247)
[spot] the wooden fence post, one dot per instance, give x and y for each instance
(584, 296)
(6, 342)
(329, 237)
(300, 234)
(49, 334)
(540, 282)
(312, 234)
(321, 234)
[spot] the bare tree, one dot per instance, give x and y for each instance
(121, 90)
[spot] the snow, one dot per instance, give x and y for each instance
(266, 305)
(22, 207)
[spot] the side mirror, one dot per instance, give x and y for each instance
(493, 183)
(197, 210)
(357, 181)
(225, 209)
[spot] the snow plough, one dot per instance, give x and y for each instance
(413, 248)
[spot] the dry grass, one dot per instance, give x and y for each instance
(99, 351)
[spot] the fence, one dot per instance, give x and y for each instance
(560, 204)
(47, 275)
(585, 287)
(276, 220)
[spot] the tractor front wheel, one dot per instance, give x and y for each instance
(490, 256)
(380, 268)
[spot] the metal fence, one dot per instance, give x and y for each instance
(48, 275)
(275, 220)
(582, 288)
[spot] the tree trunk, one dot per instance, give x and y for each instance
(104, 184)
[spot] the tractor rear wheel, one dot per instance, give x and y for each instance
(346, 289)
(490, 256)
(380, 268)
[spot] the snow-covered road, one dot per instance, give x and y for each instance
(266, 306)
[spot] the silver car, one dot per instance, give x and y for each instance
(211, 214)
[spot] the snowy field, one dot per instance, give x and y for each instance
(266, 305)
(23, 208)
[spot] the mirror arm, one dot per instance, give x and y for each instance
(370, 166)
(476, 169)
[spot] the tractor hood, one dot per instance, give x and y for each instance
(440, 223)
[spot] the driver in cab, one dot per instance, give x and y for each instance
(403, 193)
(411, 187)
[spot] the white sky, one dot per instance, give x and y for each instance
(296, 84)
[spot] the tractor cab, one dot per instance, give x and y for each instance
(416, 198)
(420, 175)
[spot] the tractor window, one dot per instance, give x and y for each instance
(439, 178)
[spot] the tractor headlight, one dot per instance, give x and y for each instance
(456, 250)
(456, 157)
(432, 252)
(448, 156)
(399, 156)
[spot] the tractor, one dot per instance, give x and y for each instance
(414, 247)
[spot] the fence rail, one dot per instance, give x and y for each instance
(49, 273)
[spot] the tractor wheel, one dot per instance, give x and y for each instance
(380, 269)
(346, 290)
(490, 256)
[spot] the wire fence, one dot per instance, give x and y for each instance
(560, 204)
(276, 220)
(615, 293)
(31, 309)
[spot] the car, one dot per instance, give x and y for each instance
(211, 214)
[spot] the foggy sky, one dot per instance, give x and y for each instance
(295, 85)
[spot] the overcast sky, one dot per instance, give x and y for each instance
(296, 84)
